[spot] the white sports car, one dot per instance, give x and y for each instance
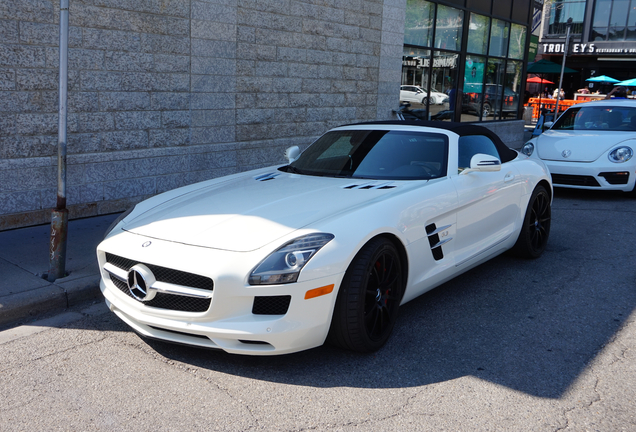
(591, 146)
(415, 94)
(282, 259)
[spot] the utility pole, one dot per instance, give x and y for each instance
(565, 54)
(59, 217)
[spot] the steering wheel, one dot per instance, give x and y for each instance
(430, 168)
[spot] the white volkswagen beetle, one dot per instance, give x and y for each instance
(282, 259)
(591, 146)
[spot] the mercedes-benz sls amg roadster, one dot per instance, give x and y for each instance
(327, 247)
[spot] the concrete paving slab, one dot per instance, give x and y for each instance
(24, 294)
(16, 279)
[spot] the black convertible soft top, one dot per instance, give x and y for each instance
(461, 129)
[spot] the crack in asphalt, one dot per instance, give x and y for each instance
(183, 367)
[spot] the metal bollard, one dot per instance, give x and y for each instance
(57, 246)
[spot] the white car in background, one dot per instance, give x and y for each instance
(415, 94)
(327, 247)
(591, 146)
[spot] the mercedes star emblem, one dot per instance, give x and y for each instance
(140, 281)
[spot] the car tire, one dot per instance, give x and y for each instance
(535, 231)
(368, 300)
(424, 101)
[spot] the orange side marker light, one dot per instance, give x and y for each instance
(317, 292)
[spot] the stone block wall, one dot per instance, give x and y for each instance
(163, 93)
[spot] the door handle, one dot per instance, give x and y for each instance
(509, 177)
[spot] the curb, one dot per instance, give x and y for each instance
(57, 297)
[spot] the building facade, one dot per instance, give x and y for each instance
(602, 42)
(474, 51)
(164, 93)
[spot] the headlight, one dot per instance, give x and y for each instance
(620, 154)
(527, 149)
(116, 221)
(284, 265)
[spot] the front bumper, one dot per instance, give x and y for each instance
(233, 321)
(594, 175)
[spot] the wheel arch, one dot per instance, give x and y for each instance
(401, 251)
(547, 187)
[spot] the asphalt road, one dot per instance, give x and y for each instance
(513, 345)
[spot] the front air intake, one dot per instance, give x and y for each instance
(271, 305)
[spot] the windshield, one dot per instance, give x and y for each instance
(374, 154)
(597, 118)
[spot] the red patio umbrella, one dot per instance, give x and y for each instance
(541, 81)
(538, 80)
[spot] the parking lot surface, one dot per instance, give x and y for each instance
(541, 345)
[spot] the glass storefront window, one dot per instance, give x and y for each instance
(418, 70)
(614, 20)
(560, 11)
(618, 20)
(478, 34)
(494, 106)
(420, 18)
(512, 90)
(444, 76)
(416, 64)
(499, 38)
(631, 23)
(517, 42)
(448, 30)
(433, 56)
(472, 99)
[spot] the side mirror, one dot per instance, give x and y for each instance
(483, 163)
(292, 153)
(547, 125)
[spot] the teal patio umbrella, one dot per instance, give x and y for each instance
(604, 79)
(547, 67)
(628, 83)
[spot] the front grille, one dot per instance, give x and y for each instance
(171, 276)
(168, 301)
(615, 178)
(163, 274)
(271, 305)
(574, 180)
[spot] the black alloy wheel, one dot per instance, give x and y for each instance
(535, 230)
(369, 298)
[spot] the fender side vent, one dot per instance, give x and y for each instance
(434, 241)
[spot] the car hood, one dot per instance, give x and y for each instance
(250, 211)
(579, 146)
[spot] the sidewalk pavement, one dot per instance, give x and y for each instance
(24, 252)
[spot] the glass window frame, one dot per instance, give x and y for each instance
(559, 12)
(603, 29)
(504, 55)
(473, 36)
